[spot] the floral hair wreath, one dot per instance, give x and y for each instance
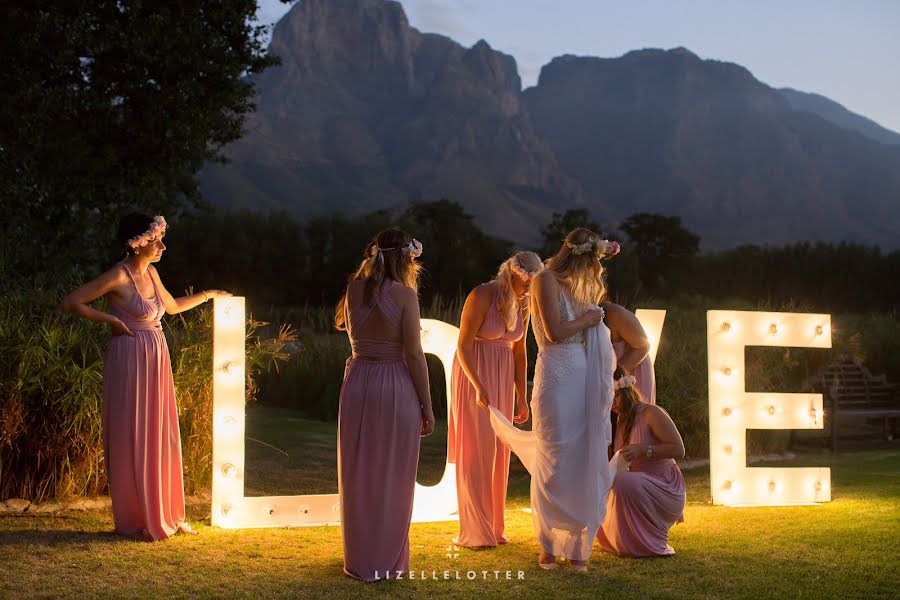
(523, 273)
(413, 248)
(157, 228)
(625, 381)
(602, 248)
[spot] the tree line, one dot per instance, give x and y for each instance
(274, 259)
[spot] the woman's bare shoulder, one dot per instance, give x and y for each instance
(546, 279)
(116, 275)
(403, 295)
(656, 413)
(481, 293)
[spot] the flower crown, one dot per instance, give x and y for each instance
(413, 248)
(523, 273)
(601, 248)
(157, 228)
(625, 381)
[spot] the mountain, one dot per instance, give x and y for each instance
(366, 112)
(664, 131)
(835, 113)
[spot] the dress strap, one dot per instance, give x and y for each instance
(386, 303)
(359, 314)
(153, 281)
(131, 277)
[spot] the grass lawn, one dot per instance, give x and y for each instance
(848, 548)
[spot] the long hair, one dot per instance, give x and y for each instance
(506, 296)
(629, 399)
(383, 259)
(581, 272)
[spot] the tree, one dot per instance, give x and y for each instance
(663, 246)
(110, 106)
(560, 226)
(457, 254)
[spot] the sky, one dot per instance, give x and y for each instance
(846, 50)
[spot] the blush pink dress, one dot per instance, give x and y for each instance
(141, 439)
(379, 429)
(645, 501)
(482, 460)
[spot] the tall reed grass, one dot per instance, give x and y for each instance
(310, 381)
(51, 369)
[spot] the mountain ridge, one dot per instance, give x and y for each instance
(366, 113)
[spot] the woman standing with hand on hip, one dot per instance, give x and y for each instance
(141, 438)
(489, 368)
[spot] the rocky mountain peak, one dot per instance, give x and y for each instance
(365, 112)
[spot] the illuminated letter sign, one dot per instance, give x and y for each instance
(230, 508)
(652, 322)
(732, 410)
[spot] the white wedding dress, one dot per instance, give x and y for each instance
(566, 451)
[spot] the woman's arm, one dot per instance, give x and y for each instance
(546, 290)
(626, 324)
(520, 356)
(183, 303)
(474, 312)
(77, 301)
(662, 427)
(411, 341)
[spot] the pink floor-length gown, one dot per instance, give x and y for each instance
(141, 438)
(379, 429)
(482, 460)
(643, 373)
(645, 501)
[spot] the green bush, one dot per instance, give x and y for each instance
(51, 370)
(311, 380)
(681, 365)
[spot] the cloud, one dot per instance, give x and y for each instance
(441, 16)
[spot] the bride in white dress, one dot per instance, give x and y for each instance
(566, 450)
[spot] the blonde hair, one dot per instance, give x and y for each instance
(580, 271)
(507, 303)
(383, 258)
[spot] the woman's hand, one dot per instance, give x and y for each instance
(481, 398)
(119, 328)
(522, 413)
(593, 316)
(634, 451)
(211, 294)
(427, 421)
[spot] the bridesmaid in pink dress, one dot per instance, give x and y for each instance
(648, 498)
(489, 368)
(385, 406)
(632, 348)
(141, 438)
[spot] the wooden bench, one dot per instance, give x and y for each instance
(850, 390)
